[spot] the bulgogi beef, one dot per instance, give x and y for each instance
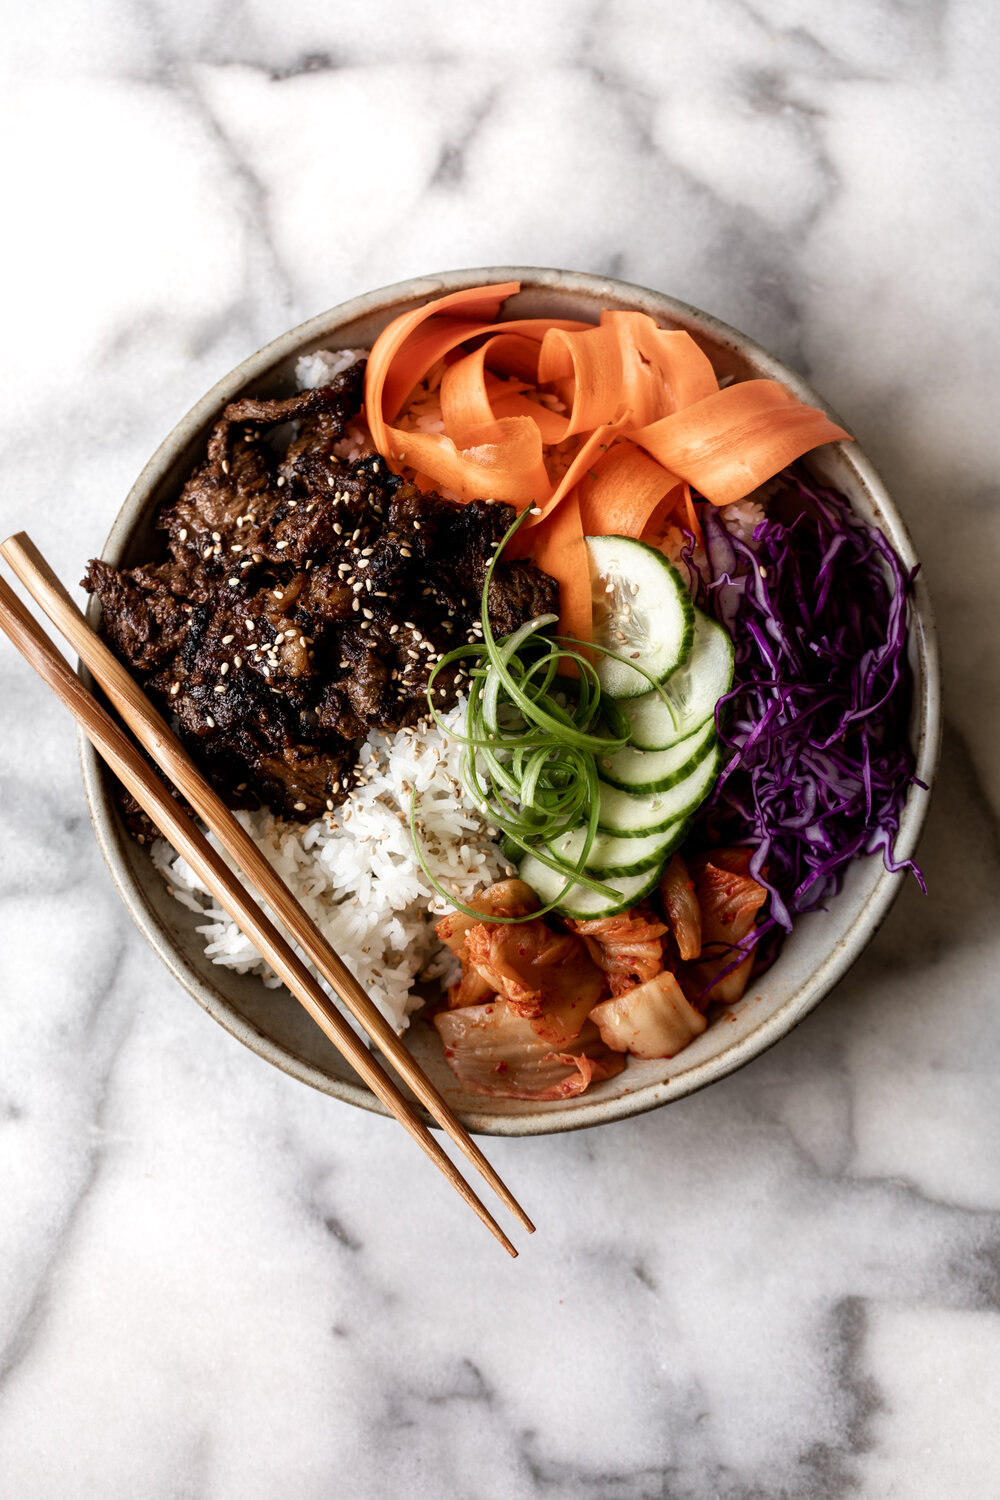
(304, 600)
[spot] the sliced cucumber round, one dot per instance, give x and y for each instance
(642, 611)
(613, 856)
(657, 770)
(580, 903)
(633, 815)
(692, 692)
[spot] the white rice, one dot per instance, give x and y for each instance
(357, 875)
(312, 370)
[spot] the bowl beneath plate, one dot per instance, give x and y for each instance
(823, 945)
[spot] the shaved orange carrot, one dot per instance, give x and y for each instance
(583, 460)
(623, 489)
(477, 303)
(467, 394)
(664, 369)
(501, 461)
(593, 361)
(599, 428)
(558, 548)
(423, 347)
(730, 442)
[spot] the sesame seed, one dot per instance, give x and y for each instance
(338, 529)
(226, 639)
(280, 482)
(236, 547)
(355, 603)
(183, 533)
(216, 537)
(233, 582)
(220, 687)
(362, 562)
(224, 669)
(206, 554)
(277, 594)
(368, 614)
(282, 546)
(299, 806)
(210, 721)
(237, 662)
(279, 637)
(174, 689)
(225, 466)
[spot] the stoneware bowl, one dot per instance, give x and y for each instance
(824, 944)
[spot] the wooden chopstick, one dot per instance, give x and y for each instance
(152, 731)
(183, 833)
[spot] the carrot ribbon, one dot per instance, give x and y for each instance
(599, 428)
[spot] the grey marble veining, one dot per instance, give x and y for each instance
(217, 1284)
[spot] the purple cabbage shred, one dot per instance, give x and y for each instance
(817, 762)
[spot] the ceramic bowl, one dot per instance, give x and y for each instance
(824, 944)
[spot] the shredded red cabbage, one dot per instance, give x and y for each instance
(819, 763)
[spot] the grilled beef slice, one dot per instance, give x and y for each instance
(304, 599)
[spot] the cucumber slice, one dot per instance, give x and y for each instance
(612, 856)
(656, 770)
(642, 610)
(580, 903)
(692, 691)
(632, 815)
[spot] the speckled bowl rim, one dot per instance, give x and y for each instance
(926, 717)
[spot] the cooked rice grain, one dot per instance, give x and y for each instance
(356, 872)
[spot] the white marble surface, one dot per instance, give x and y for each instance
(216, 1283)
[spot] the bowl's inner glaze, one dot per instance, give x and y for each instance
(819, 951)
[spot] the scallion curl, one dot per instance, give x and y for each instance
(530, 760)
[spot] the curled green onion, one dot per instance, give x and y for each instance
(532, 739)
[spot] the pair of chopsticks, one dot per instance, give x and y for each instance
(125, 760)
